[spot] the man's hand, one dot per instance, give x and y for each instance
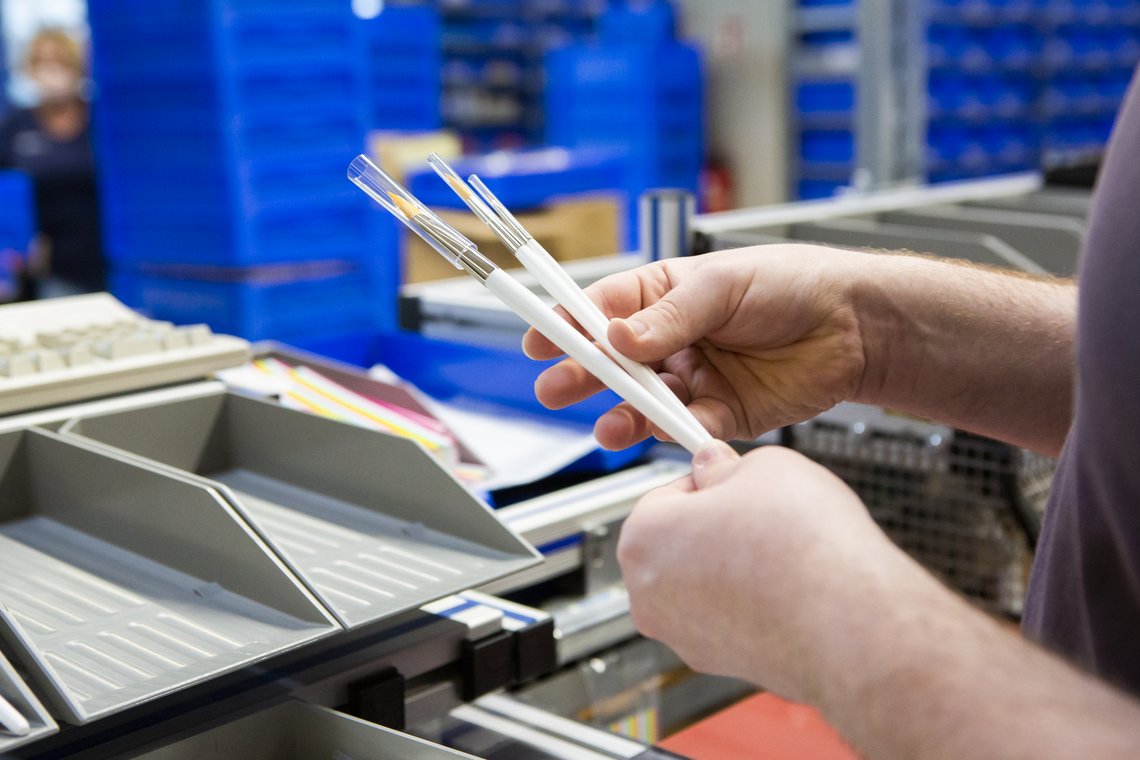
(758, 338)
(751, 340)
(768, 568)
(741, 567)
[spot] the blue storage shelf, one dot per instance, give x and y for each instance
(17, 211)
(266, 307)
(830, 96)
(1011, 83)
(642, 101)
(645, 23)
(244, 44)
(225, 128)
(827, 145)
(493, 112)
(216, 238)
(17, 229)
(810, 189)
(405, 59)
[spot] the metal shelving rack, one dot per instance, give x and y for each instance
(886, 92)
(857, 96)
(492, 74)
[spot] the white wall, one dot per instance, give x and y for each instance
(745, 43)
(21, 19)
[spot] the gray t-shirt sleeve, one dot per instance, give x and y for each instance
(1084, 595)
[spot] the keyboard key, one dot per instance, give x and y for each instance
(47, 361)
(17, 365)
(175, 339)
(52, 340)
(198, 334)
(48, 351)
(77, 354)
(123, 346)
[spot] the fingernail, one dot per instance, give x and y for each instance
(711, 453)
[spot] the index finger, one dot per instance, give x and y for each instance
(617, 295)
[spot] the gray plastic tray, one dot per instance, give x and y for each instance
(119, 583)
(13, 689)
(1053, 242)
(298, 731)
(371, 521)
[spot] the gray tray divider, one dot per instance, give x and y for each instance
(354, 464)
(298, 731)
(1053, 242)
(13, 689)
(329, 498)
(121, 584)
(1073, 204)
(876, 235)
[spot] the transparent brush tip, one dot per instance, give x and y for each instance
(492, 200)
(484, 212)
(396, 200)
(449, 176)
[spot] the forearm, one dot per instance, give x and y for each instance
(923, 675)
(975, 348)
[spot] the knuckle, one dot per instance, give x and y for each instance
(643, 619)
(669, 313)
(630, 548)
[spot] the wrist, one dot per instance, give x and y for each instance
(872, 286)
(874, 638)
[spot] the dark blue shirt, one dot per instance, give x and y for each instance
(1084, 596)
(67, 207)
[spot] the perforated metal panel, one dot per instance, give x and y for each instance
(964, 506)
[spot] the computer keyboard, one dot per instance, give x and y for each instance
(81, 347)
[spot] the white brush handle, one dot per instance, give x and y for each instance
(559, 332)
(562, 286)
(12, 720)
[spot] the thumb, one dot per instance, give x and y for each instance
(713, 463)
(684, 315)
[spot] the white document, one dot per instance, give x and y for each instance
(516, 448)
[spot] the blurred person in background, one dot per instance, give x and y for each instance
(49, 137)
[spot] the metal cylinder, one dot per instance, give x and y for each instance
(663, 222)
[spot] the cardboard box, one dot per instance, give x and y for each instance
(572, 228)
(400, 152)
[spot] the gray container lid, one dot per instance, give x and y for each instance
(370, 521)
(119, 583)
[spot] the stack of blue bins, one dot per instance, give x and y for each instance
(639, 92)
(824, 96)
(1015, 84)
(223, 131)
(826, 133)
(1012, 85)
(1091, 50)
(493, 50)
(17, 230)
(405, 57)
(983, 88)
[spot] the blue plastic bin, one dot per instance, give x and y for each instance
(262, 308)
(825, 96)
(405, 59)
(224, 130)
(17, 229)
